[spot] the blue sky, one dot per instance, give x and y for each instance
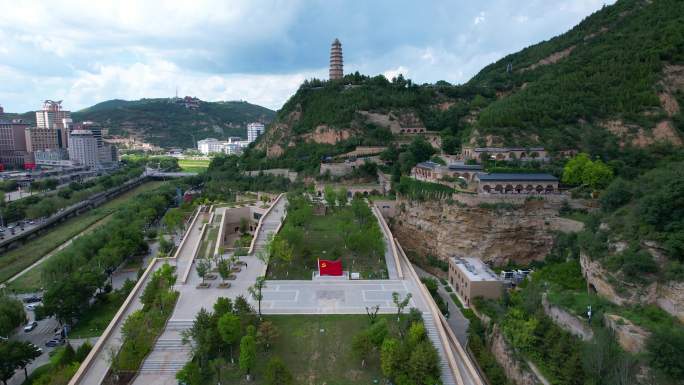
(85, 52)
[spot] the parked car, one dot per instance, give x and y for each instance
(30, 326)
(54, 342)
(38, 348)
(32, 306)
(32, 299)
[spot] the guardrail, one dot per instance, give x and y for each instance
(101, 341)
(390, 237)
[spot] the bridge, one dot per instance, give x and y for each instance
(157, 174)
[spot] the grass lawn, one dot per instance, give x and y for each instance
(316, 349)
(193, 165)
(15, 260)
(323, 239)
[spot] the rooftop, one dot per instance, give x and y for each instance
(461, 166)
(475, 269)
(518, 177)
(428, 164)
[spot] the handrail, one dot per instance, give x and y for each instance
(219, 237)
(390, 238)
(87, 363)
(261, 220)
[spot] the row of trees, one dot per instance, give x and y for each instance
(141, 328)
(11, 314)
(72, 276)
(35, 206)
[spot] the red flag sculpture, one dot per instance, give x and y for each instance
(326, 267)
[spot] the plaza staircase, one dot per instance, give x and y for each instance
(431, 330)
(169, 354)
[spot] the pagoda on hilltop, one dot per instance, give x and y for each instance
(336, 66)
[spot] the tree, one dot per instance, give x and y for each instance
(390, 357)
(665, 350)
(203, 266)
(15, 355)
(222, 306)
(229, 328)
(416, 334)
(11, 314)
(400, 303)
(423, 363)
(342, 194)
(244, 225)
(224, 269)
(173, 219)
(330, 196)
(255, 291)
(597, 175)
(573, 171)
(247, 354)
(377, 332)
(277, 373)
(266, 334)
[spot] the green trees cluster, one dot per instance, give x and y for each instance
(141, 328)
(233, 325)
(11, 314)
(72, 276)
(581, 170)
(42, 206)
(407, 356)
(418, 190)
(15, 355)
(63, 364)
(226, 176)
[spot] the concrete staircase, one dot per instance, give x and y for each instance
(169, 354)
(270, 223)
(431, 329)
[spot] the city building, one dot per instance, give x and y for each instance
(52, 115)
(254, 130)
(517, 184)
(505, 153)
(83, 148)
(232, 146)
(209, 145)
(13, 151)
(40, 138)
(470, 278)
(58, 157)
(336, 63)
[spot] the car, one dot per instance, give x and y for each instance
(37, 348)
(32, 306)
(54, 342)
(30, 326)
(32, 299)
(31, 222)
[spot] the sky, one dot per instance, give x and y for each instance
(85, 52)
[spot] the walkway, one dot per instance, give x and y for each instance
(270, 224)
(97, 370)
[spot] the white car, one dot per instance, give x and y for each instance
(30, 326)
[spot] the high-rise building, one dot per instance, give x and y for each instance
(51, 116)
(336, 64)
(83, 148)
(254, 130)
(93, 127)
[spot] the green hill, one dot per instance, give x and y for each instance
(168, 124)
(614, 80)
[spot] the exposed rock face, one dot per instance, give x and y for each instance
(669, 296)
(631, 337)
(394, 121)
(327, 135)
(520, 234)
(551, 59)
(567, 321)
(506, 358)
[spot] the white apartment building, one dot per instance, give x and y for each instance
(254, 130)
(232, 146)
(51, 116)
(83, 148)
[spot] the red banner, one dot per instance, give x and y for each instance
(326, 267)
(29, 166)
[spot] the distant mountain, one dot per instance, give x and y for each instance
(168, 123)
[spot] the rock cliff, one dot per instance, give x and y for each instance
(669, 296)
(515, 371)
(520, 234)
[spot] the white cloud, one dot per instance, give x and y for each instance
(393, 73)
(479, 19)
